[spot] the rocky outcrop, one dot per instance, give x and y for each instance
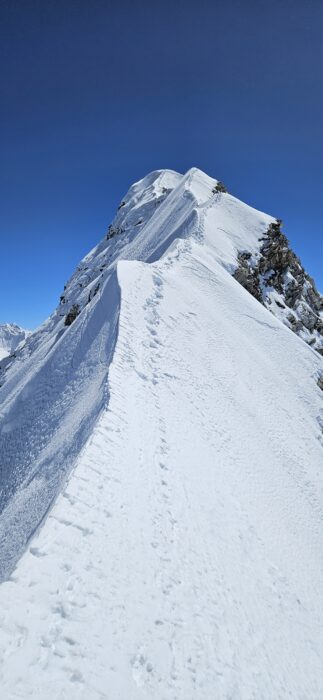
(274, 275)
(72, 314)
(248, 276)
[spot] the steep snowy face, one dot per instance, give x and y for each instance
(253, 247)
(55, 387)
(134, 212)
(11, 336)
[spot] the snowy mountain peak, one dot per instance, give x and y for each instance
(59, 376)
(164, 205)
(164, 426)
(11, 336)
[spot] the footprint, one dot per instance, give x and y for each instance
(37, 552)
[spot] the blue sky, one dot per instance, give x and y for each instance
(95, 94)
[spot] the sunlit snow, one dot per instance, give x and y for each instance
(180, 423)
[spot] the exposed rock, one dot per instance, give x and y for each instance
(295, 323)
(247, 276)
(275, 267)
(72, 314)
(306, 315)
(113, 231)
(219, 187)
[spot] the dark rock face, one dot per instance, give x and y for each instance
(72, 314)
(276, 270)
(219, 187)
(248, 276)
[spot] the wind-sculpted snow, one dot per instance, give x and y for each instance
(46, 423)
(183, 557)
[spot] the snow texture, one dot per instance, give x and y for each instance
(183, 558)
(11, 336)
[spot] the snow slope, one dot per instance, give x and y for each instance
(11, 336)
(183, 558)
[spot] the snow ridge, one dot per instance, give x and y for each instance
(55, 388)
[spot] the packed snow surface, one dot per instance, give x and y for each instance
(183, 558)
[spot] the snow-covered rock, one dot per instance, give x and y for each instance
(11, 336)
(274, 275)
(181, 422)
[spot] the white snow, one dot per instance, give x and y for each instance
(11, 336)
(183, 559)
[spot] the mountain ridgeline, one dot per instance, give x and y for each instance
(59, 375)
(269, 270)
(161, 464)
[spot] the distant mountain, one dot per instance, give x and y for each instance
(164, 427)
(11, 336)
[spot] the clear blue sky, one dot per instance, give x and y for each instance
(95, 94)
